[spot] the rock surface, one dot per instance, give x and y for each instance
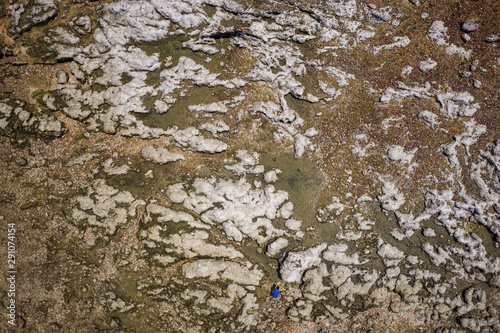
(165, 164)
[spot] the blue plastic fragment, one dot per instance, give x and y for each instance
(275, 293)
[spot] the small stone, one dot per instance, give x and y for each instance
(62, 77)
(149, 174)
(469, 26)
(427, 65)
(293, 224)
(77, 73)
(492, 39)
(428, 232)
(474, 64)
(232, 231)
(477, 84)
(271, 176)
(115, 322)
(466, 38)
(275, 248)
(464, 73)
(160, 155)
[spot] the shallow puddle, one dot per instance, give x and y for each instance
(303, 181)
(178, 114)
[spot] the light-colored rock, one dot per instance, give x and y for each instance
(191, 138)
(110, 169)
(221, 270)
(296, 263)
(391, 199)
(271, 176)
(293, 224)
(248, 163)
(275, 247)
(160, 155)
(390, 252)
(14, 117)
(397, 154)
(398, 42)
(457, 104)
(251, 209)
(101, 207)
(429, 117)
(469, 26)
(212, 107)
(336, 253)
(188, 245)
(232, 231)
(427, 65)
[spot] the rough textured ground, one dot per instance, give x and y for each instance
(166, 163)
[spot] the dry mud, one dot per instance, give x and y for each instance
(166, 163)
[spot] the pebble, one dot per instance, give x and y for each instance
(416, 2)
(464, 73)
(427, 65)
(469, 26)
(474, 64)
(492, 39)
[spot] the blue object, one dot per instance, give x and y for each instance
(275, 293)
